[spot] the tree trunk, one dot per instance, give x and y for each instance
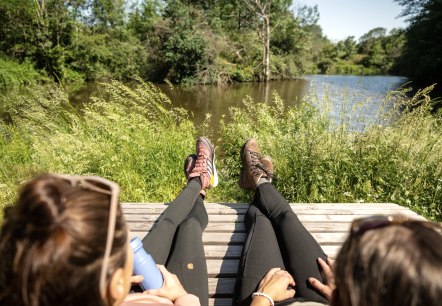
(266, 43)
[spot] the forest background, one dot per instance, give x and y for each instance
(203, 41)
(133, 135)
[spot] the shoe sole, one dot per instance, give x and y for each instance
(214, 179)
(245, 185)
(242, 150)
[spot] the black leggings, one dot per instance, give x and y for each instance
(277, 239)
(175, 240)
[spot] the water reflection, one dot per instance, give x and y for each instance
(353, 99)
(217, 100)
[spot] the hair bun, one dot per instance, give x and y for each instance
(41, 205)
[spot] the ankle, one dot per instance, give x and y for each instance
(263, 180)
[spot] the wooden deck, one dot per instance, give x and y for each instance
(225, 233)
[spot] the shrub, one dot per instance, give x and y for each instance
(317, 160)
(134, 137)
(13, 74)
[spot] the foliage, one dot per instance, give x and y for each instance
(189, 41)
(319, 161)
(377, 52)
(135, 137)
(13, 74)
(421, 59)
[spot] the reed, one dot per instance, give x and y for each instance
(137, 138)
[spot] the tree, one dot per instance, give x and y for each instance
(262, 9)
(422, 57)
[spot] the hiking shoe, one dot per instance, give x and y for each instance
(267, 166)
(205, 164)
(189, 164)
(253, 166)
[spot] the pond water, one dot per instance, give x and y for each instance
(343, 91)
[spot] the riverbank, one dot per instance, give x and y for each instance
(139, 139)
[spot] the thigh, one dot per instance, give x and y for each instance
(158, 242)
(260, 254)
(187, 259)
(299, 248)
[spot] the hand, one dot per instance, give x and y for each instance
(136, 279)
(275, 284)
(325, 289)
(172, 288)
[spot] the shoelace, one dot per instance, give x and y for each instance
(201, 164)
(263, 168)
(257, 166)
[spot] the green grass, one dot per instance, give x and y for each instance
(137, 138)
(14, 74)
(317, 161)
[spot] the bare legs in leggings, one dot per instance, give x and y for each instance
(276, 238)
(176, 240)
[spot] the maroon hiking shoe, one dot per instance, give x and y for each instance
(204, 164)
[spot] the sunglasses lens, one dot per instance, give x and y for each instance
(98, 186)
(370, 225)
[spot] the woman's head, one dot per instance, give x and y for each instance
(390, 264)
(53, 241)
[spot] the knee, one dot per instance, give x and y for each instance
(193, 223)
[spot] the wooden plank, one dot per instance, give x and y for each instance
(240, 227)
(240, 218)
(324, 238)
(221, 286)
(296, 205)
(222, 268)
(220, 302)
(228, 210)
(234, 251)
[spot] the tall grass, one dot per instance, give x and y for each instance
(317, 160)
(136, 137)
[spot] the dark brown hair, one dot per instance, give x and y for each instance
(395, 265)
(52, 245)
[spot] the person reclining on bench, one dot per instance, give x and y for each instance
(65, 242)
(385, 261)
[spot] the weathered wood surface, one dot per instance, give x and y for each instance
(225, 233)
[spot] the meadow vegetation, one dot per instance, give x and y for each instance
(137, 138)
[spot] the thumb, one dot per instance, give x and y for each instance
(137, 278)
(163, 270)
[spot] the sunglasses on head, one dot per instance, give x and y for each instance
(362, 225)
(100, 185)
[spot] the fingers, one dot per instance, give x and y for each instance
(290, 293)
(288, 278)
(136, 279)
(324, 289)
(269, 275)
(330, 262)
(326, 268)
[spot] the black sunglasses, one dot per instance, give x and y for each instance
(362, 225)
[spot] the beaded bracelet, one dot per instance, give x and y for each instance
(264, 295)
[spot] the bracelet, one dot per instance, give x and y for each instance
(264, 295)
